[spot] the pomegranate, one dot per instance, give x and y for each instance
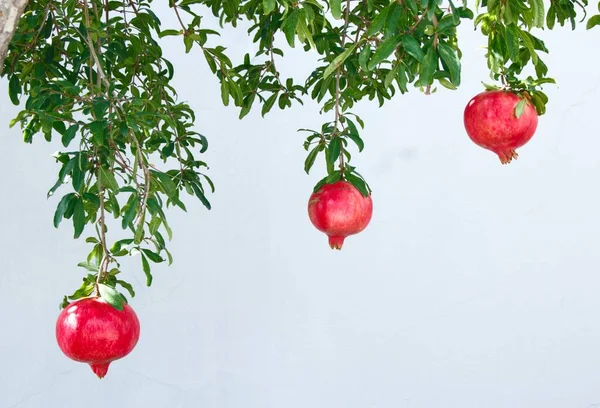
(92, 331)
(492, 123)
(339, 210)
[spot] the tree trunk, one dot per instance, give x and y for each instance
(10, 13)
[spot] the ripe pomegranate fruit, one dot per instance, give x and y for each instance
(92, 331)
(491, 123)
(339, 210)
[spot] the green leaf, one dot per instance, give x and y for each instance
(224, 92)
(339, 60)
(593, 21)
(88, 266)
(78, 218)
(111, 296)
(62, 207)
(357, 182)
(428, 66)
(363, 57)
(333, 152)
(69, 135)
(79, 170)
(520, 108)
(304, 33)
(100, 106)
(116, 247)
(165, 181)
(14, 89)
(97, 130)
(512, 42)
(378, 22)
(384, 50)
(153, 256)
(310, 159)
(200, 194)
(169, 32)
(146, 269)
(188, 42)
(268, 6)
(269, 104)
(336, 8)
(450, 58)
(391, 75)
(85, 290)
(130, 211)
(413, 47)
(139, 231)
(354, 135)
(393, 19)
(127, 286)
(154, 225)
(289, 27)
(539, 100)
(333, 177)
(539, 13)
(446, 84)
(107, 179)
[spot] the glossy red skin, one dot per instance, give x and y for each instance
(92, 331)
(491, 123)
(339, 210)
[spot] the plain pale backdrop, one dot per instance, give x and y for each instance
(476, 285)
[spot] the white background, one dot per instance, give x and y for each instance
(475, 285)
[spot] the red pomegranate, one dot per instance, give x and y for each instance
(92, 331)
(339, 210)
(491, 123)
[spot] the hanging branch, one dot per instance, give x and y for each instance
(111, 85)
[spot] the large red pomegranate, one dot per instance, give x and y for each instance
(92, 331)
(339, 210)
(492, 123)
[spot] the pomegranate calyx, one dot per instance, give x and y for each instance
(336, 242)
(100, 369)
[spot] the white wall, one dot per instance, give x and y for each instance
(476, 284)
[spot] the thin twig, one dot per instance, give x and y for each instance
(435, 43)
(178, 16)
(144, 168)
(102, 269)
(338, 75)
(99, 69)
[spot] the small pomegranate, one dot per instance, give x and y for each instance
(339, 210)
(492, 123)
(92, 331)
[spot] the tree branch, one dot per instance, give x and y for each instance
(10, 14)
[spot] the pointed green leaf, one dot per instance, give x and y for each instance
(62, 207)
(146, 269)
(428, 66)
(593, 21)
(78, 218)
(111, 296)
(339, 60)
(333, 151)
(127, 286)
(450, 58)
(413, 47)
(336, 8)
(107, 179)
(168, 185)
(268, 6)
(384, 50)
(310, 159)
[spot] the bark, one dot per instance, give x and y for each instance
(10, 13)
